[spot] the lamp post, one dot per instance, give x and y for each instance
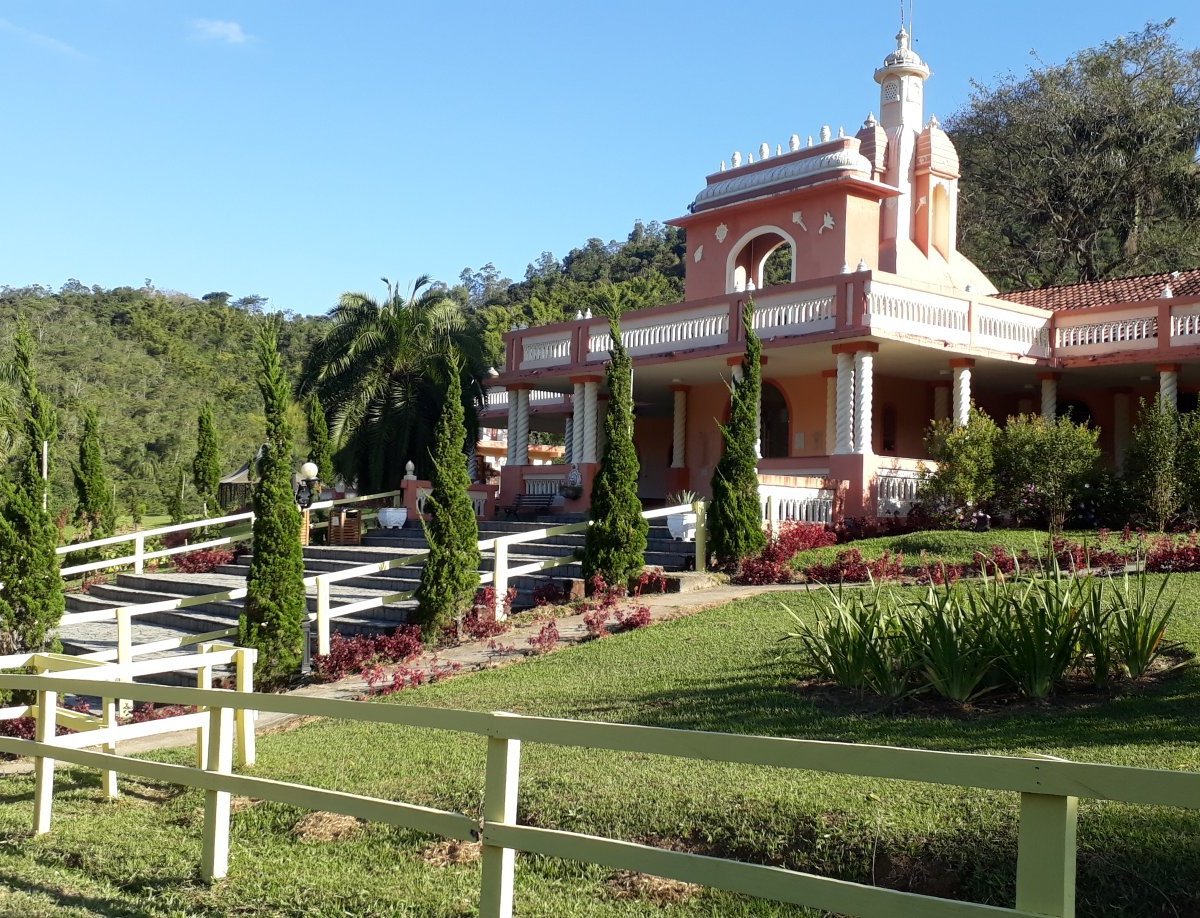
(305, 488)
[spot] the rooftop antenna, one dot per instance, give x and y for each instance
(912, 38)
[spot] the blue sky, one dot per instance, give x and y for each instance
(296, 150)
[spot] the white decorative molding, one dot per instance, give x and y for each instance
(798, 219)
(698, 254)
(722, 232)
(843, 160)
(826, 223)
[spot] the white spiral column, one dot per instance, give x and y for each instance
(510, 435)
(591, 392)
(1168, 386)
(521, 451)
(1120, 428)
(962, 391)
(941, 401)
(864, 394)
(845, 405)
(569, 441)
(1049, 396)
(679, 432)
(578, 412)
(830, 409)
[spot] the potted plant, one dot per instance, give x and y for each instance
(682, 525)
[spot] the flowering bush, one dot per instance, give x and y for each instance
(851, 567)
(204, 561)
(354, 654)
(546, 639)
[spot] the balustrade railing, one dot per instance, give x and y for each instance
(783, 504)
(896, 492)
(1130, 332)
(542, 485)
(669, 333)
(814, 313)
(498, 398)
(1185, 323)
(547, 350)
(1006, 330)
(917, 312)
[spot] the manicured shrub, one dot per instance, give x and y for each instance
(320, 446)
(735, 513)
(206, 464)
(96, 509)
(1151, 471)
(450, 575)
(276, 608)
(965, 476)
(615, 544)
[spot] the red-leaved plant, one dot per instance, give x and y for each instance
(203, 561)
(350, 655)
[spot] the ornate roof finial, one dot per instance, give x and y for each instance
(825, 133)
(841, 132)
(870, 122)
(737, 158)
(933, 122)
(779, 149)
(794, 142)
(722, 165)
(749, 159)
(764, 150)
(810, 140)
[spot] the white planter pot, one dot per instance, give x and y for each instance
(393, 517)
(682, 526)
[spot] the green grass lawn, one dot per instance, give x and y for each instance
(953, 546)
(717, 670)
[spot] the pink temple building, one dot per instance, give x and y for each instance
(883, 326)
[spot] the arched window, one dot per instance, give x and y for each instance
(764, 257)
(775, 429)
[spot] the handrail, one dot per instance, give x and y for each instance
(1049, 789)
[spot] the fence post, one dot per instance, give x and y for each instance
(244, 661)
(43, 766)
(203, 681)
(323, 615)
(701, 509)
(108, 714)
(500, 576)
(1046, 855)
(124, 654)
(214, 858)
(139, 554)
(499, 806)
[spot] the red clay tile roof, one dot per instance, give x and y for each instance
(1098, 293)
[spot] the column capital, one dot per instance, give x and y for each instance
(1055, 376)
(853, 347)
(962, 363)
(1168, 367)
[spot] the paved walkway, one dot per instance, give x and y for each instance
(700, 592)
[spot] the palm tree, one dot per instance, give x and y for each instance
(379, 370)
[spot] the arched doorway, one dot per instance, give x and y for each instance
(775, 428)
(764, 257)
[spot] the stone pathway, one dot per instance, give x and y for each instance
(700, 592)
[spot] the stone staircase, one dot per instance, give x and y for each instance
(378, 545)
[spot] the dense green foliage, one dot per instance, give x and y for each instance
(719, 669)
(31, 599)
(1152, 474)
(1030, 470)
(145, 360)
(615, 546)
(450, 576)
(276, 607)
(206, 464)
(380, 371)
(96, 509)
(735, 516)
(320, 447)
(1084, 170)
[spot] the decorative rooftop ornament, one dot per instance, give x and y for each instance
(588, 313)
(841, 132)
(764, 151)
(722, 165)
(862, 265)
(826, 134)
(749, 159)
(1168, 292)
(810, 140)
(779, 149)
(870, 122)
(737, 159)
(794, 142)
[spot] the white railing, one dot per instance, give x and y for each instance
(543, 485)
(656, 336)
(784, 504)
(1130, 332)
(916, 312)
(1185, 323)
(1006, 330)
(896, 492)
(140, 556)
(814, 313)
(546, 350)
(498, 398)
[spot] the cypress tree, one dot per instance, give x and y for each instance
(615, 548)
(450, 576)
(31, 601)
(735, 517)
(206, 465)
(320, 447)
(96, 509)
(276, 607)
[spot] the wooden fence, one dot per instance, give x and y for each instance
(1048, 789)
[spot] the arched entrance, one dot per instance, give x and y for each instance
(775, 429)
(764, 257)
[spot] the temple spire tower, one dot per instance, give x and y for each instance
(901, 82)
